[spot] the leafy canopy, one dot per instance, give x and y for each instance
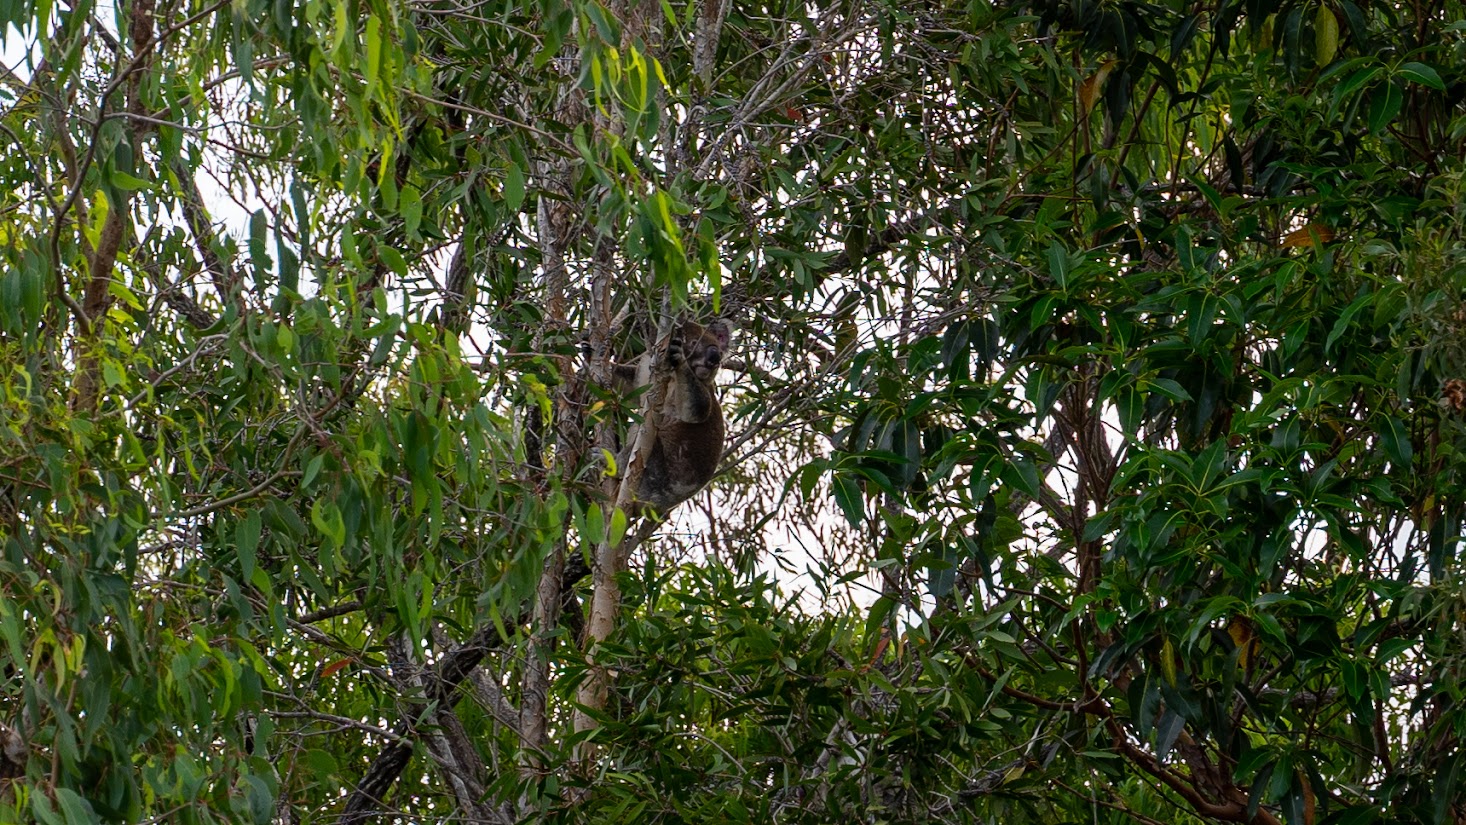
(1095, 436)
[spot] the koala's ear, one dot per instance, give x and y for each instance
(721, 329)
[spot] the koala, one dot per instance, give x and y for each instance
(690, 432)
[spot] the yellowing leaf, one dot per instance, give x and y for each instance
(1089, 90)
(1168, 662)
(1240, 630)
(1325, 35)
(1311, 235)
(339, 30)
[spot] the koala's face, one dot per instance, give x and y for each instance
(703, 348)
(704, 355)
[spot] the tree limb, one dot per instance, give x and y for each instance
(441, 688)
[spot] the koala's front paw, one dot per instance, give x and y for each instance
(675, 354)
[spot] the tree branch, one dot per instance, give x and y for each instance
(441, 688)
(201, 226)
(887, 238)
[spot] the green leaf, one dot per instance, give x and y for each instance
(618, 527)
(340, 28)
(257, 235)
(605, 24)
(43, 812)
(1390, 648)
(285, 339)
(393, 259)
(595, 523)
(126, 182)
(1059, 265)
(112, 375)
(321, 763)
(942, 575)
(76, 810)
(1346, 319)
(1358, 80)
(1167, 387)
(1396, 441)
(876, 618)
(1167, 731)
(326, 516)
(514, 187)
(1384, 106)
(849, 498)
(373, 51)
(1356, 681)
(1023, 475)
(1362, 815)
(312, 469)
(246, 542)
(1422, 74)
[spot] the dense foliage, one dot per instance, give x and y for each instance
(1096, 420)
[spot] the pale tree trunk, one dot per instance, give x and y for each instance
(610, 559)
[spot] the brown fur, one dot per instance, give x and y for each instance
(690, 431)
